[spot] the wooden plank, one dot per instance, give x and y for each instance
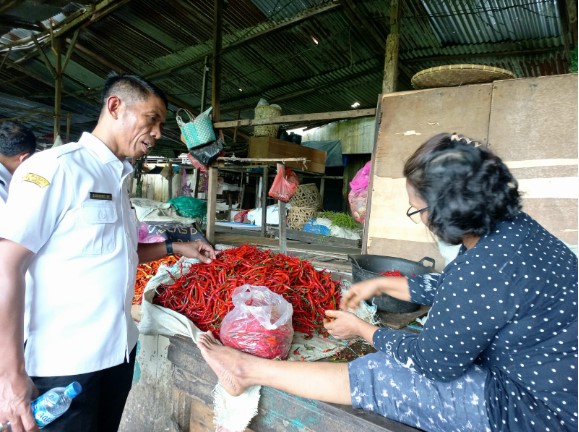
(311, 238)
(336, 115)
(267, 147)
(407, 119)
(533, 127)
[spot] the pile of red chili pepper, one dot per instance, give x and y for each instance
(250, 336)
(203, 293)
(391, 273)
(145, 272)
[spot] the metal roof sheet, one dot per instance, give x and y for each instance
(307, 56)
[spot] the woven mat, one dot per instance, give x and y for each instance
(457, 75)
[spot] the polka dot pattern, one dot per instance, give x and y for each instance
(509, 304)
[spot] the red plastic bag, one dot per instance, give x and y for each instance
(284, 184)
(260, 323)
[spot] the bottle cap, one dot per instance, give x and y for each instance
(73, 389)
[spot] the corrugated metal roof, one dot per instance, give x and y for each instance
(307, 55)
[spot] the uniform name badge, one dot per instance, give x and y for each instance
(101, 196)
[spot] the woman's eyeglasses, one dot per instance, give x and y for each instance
(414, 214)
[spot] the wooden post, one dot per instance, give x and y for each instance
(170, 180)
(216, 72)
(68, 122)
(57, 48)
(322, 190)
(392, 45)
(264, 178)
(282, 228)
(211, 204)
(204, 85)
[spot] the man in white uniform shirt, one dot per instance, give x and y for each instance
(17, 143)
(69, 239)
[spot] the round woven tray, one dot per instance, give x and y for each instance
(457, 75)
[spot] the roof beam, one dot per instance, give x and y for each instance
(463, 57)
(235, 44)
(91, 14)
(329, 79)
(363, 27)
(299, 118)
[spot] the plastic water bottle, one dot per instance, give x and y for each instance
(52, 404)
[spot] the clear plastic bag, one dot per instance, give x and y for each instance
(260, 323)
(284, 184)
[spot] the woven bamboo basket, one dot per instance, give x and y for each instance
(307, 195)
(266, 111)
(298, 216)
(457, 75)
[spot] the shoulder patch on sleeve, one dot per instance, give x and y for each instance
(36, 179)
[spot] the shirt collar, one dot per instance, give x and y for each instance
(102, 152)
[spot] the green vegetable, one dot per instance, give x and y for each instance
(342, 220)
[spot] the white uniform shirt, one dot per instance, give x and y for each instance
(70, 207)
(5, 178)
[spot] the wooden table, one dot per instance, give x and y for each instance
(239, 164)
(193, 382)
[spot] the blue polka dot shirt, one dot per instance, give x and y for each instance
(509, 304)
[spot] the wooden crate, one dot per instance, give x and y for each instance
(267, 147)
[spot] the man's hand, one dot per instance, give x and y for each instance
(15, 395)
(196, 249)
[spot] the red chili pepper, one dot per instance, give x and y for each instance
(203, 293)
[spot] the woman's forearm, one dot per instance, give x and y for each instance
(396, 287)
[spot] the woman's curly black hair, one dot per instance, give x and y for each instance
(467, 188)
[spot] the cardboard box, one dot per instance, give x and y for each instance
(270, 148)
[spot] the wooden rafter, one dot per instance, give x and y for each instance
(269, 28)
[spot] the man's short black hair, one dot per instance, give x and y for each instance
(15, 138)
(131, 87)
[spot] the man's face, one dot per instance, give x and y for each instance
(141, 125)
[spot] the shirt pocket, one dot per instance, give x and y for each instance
(98, 220)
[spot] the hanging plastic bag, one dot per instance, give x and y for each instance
(203, 155)
(189, 207)
(260, 323)
(284, 184)
(358, 196)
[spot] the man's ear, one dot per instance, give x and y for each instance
(22, 157)
(113, 106)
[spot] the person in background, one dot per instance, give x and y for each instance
(499, 349)
(69, 239)
(17, 143)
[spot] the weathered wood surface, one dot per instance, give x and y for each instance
(278, 411)
(298, 118)
(530, 123)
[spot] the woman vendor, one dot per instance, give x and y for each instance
(499, 349)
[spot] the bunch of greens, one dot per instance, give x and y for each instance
(342, 220)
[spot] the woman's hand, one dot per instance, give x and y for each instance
(395, 286)
(360, 291)
(346, 325)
